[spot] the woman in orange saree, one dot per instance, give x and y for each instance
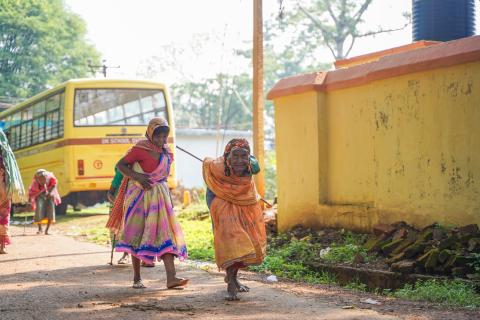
(237, 215)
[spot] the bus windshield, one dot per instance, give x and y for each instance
(118, 107)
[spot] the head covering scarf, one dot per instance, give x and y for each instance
(154, 124)
(13, 179)
(36, 188)
(233, 144)
(40, 172)
(148, 143)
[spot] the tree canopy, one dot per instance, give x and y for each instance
(335, 24)
(42, 43)
(291, 47)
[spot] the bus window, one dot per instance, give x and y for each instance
(116, 115)
(8, 122)
(38, 123)
(38, 130)
(16, 119)
(53, 103)
(113, 107)
(38, 109)
(26, 134)
(146, 104)
(101, 117)
(27, 114)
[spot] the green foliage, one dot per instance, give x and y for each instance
(276, 264)
(346, 252)
(449, 292)
(343, 253)
(195, 211)
(224, 100)
(42, 43)
(356, 286)
(197, 229)
(99, 235)
(288, 260)
(476, 261)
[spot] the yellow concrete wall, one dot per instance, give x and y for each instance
(350, 148)
(402, 148)
(427, 144)
(298, 164)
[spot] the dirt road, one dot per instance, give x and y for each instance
(56, 277)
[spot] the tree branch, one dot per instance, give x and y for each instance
(361, 11)
(330, 11)
(319, 25)
(309, 16)
(371, 33)
(351, 46)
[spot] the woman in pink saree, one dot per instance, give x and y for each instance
(143, 212)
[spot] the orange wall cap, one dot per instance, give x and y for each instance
(297, 84)
(369, 57)
(428, 57)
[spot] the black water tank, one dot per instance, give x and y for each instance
(443, 20)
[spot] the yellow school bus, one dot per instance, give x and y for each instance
(80, 129)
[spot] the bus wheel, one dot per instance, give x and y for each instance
(61, 209)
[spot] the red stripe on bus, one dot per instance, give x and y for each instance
(80, 142)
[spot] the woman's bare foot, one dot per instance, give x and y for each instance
(240, 287)
(231, 291)
(177, 282)
(231, 284)
(138, 284)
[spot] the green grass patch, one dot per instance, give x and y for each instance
(453, 293)
(195, 211)
(287, 259)
(197, 229)
(356, 286)
(346, 251)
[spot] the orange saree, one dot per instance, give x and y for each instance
(237, 216)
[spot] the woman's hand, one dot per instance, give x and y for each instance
(144, 180)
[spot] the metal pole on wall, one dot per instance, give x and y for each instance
(258, 123)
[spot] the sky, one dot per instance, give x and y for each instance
(130, 32)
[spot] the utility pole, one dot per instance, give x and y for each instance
(103, 67)
(258, 122)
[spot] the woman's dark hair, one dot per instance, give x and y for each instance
(162, 129)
